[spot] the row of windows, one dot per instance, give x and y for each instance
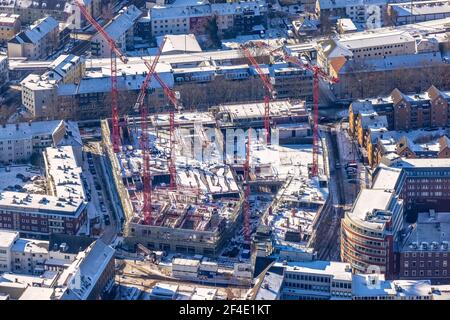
(306, 286)
(437, 273)
(437, 264)
(307, 277)
(422, 254)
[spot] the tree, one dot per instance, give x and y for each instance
(213, 34)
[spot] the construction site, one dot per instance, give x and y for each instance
(185, 180)
(200, 185)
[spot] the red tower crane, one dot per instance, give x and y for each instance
(318, 74)
(144, 141)
(115, 52)
(270, 91)
(174, 100)
(246, 206)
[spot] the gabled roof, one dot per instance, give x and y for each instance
(36, 32)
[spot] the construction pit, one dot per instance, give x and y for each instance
(204, 214)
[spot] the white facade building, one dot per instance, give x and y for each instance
(120, 29)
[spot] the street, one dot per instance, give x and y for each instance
(343, 191)
(100, 201)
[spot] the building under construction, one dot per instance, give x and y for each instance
(203, 211)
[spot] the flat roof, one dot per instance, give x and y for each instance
(7, 238)
(37, 293)
(26, 130)
(420, 8)
(39, 203)
(65, 173)
(361, 287)
(30, 246)
(337, 270)
(370, 200)
(186, 262)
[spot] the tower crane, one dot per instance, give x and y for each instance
(144, 140)
(115, 52)
(318, 73)
(269, 89)
(247, 189)
(174, 100)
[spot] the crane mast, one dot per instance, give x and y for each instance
(174, 100)
(144, 139)
(115, 52)
(269, 89)
(318, 74)
(247, 235)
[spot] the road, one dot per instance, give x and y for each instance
(343, 191)
(99, 197)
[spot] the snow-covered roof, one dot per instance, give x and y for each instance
(393, 62)
(7, 238)
(85, 272)
(23, 202)
(122, 22)
(336, 270)
(182, 43)
(335, 4)
(347, 25)
(37, 293)
(26, 130)
(270, 286)
(371, 285)
(130, 77)
(6, 18)
(425, 234)
(64, 172)
(372, 205)
(420, 8)
(30, 246)
(63, 63)
(37, 31)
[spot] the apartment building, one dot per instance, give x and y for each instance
(39, 91)
(405, 124)
(9, 26)
(202, 80)
(36, 42)
(330, 280)
(183, 17)
(316, 280)
(429, 109)
(64, 11)
(419, 11)
(372, 228)
(4, 72)
(29, 256)
(376, 287)
(19, 141)
(38, 216)
(408, 58)
(424, 252)
(121, 30)
(368, 13)
(7, 239)
(78, 269)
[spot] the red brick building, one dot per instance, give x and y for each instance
(424, 254)
(38, 216)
